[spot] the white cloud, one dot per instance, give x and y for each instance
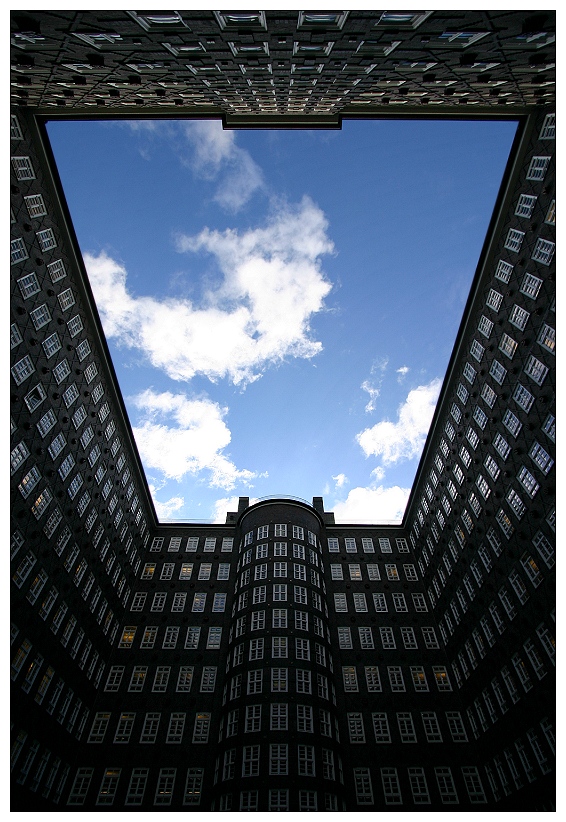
(378, 473)
(222, 506)
(259, 315)
(404, 439)
(216, 154)
(373, 506)
(340, 480)
(373, 395)
(373, 388)
(403, 371)
(179, 436)
(166, 510)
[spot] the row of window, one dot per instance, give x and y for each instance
(280, 592)
(192, 544)
(505, 767)
(279, 530)
(373, 572)
(58, 698)
(282, 648)
(279, 550)
(396, 678)
(137, 785)
(150, 728)
(185, 569)
(543, 251)
(162, 677)
(365, 637)
(303, 763)
(19, 252)
(404, 729)
(303, 621)
(419, 786)
(351, 546)
(379, 603)
(170, 635)
(460, 601)
(329, 768)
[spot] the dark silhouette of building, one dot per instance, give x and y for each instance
(282, 661)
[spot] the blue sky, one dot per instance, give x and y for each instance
(281, 305)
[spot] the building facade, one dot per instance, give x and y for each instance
(281, 661)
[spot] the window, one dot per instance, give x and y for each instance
(28, 285)
(367, 545)
(149, 636)
(528, 482)
(544, 251)
(392, 573)
(508, 346)
(303, 681)
(193, 786)
(514, 240)
(23, 369)
(419, 603)
(356, 729)
(512, 422)
(159, 599)
(477, 350)
(498, 372)
(278, 760)
(204, 570)
(419, 787)
(441, 678)
(547, 338)
(333, 546)
(136, 788)
(396, 678)
(199, 602)
(165, 785)
(536, 370)
(530, 286)
(344, 638)
(485, 327)
(46, 239)
(201, 728)
(250, 760)
(537, 168)
(456, 726)
(355, 572)
(366, 638)
(470, 374)
(66, 299)
(473, 785)
(279, 569)
(549, 427)
(494, 299)
(23, 169)
(362, 782)
(380, 602)
(545, 548)
(360, 604)
(391, 786)
(75, 325)
(408, 637)
(350, 678)
(350, 543)
(410, 573)
(99, 726)
(255, 682)
(340, 604)
(336, 572)
(462, 394)
(279, 716)
(406, 727)
(80, 786)
(446, 786)
(526, 202)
